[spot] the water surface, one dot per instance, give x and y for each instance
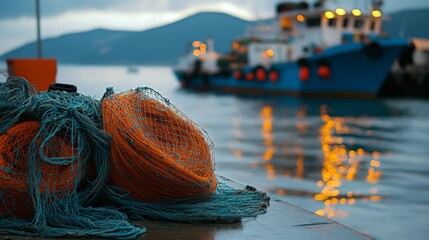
(363, 163)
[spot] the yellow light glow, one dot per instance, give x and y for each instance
(196, 44)
(235, 45)
(327, 202)
(271, 172)
(375, 163)
(281, 192)
(356, 12)
(268, 155)
(203, 46)
(300, 18)
(340, 11)
(196, 52)
(286, 22)
(267, 134)
(376, 13)
(269, 52)
(320, 212)
(203, 51)
(300, 167)
(329, 15)
(319, 197)
(331, 213)
(375, 198)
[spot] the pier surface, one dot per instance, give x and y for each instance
(282, 221)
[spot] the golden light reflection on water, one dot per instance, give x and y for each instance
(341, 165)
(300, 168)
(266, 117)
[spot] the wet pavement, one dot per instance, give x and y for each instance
(282, 221)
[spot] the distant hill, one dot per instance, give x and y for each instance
(412, 23)
(163, 45)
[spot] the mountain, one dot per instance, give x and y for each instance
(411, 23)
(163, 45)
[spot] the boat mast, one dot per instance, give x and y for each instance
(39, 42)
(376, 4)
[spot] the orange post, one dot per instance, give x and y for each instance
(37, 71)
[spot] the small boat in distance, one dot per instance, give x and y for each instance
(308, 50)
(132, 69)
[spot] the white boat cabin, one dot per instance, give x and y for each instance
(301, 30)
(298, 31)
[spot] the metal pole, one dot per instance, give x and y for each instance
(39, 41)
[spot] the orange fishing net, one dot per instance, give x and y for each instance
(157, 153)
(14, 167)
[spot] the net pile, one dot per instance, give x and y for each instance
(72, 166)
(49, 142)
(159, 146)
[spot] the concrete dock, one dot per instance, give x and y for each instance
(282, 221)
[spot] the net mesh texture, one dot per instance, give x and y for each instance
(73, 166)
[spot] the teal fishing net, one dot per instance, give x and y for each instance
(49, 142)
(68, 163)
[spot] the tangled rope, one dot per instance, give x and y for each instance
(133, 155)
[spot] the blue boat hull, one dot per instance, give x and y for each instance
(354, 72)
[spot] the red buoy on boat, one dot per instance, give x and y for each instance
(261, 75)
(238, 75)
(250, 76)
(324, 71)
(304, 73)
(274, 76)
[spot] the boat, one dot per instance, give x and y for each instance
(309, 49)
(132, 69)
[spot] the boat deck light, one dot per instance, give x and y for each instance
(196, 52)
(196, 44)
(356, 12)
(376, 13)
(300, 18)
(329, 15)
(340, 11)
(269, 52)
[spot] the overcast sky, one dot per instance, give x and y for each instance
(17, 17)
